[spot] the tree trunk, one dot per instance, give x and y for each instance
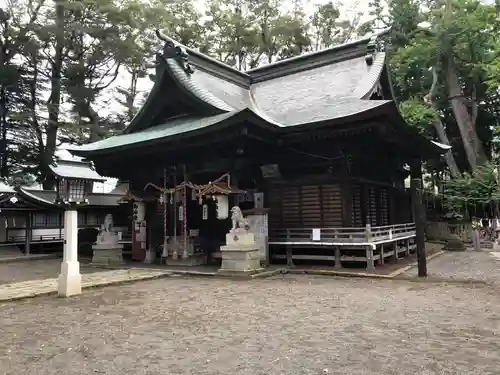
(472, 144)
(4, 168)
(54, 102)
(440, 130)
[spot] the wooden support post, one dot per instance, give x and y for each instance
(418, 209)
(408, 247)
(338, 263)
(395, 255)
(289, 259)
(382, 259)
(370, 265)
(28, 235)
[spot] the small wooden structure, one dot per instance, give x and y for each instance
(317, 136)
(31, 217)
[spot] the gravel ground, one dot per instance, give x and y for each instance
(36, 270)
(464, 265)
(293, 325)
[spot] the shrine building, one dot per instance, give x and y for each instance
(313, 149)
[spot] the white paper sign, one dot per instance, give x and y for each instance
(204, 212)
(316, 234)
(222, 207)
(181, 213)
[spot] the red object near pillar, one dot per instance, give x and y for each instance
(139, 239)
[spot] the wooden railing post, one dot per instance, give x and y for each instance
(370, 264)
(368, 233)
(289, 259)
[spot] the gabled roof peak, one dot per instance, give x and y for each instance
(346, 51)
(306, 61)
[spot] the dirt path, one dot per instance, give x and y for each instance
(293, 325)
(464, 266)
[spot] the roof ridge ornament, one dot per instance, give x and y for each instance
(173, 51)
(372, 48)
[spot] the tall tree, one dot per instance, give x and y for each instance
(17, 20)
(443, 67)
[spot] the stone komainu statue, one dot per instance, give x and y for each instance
(106, 233)
(239, 222)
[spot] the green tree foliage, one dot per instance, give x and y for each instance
(442, 53)
(473, 193)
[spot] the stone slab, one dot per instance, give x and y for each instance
(33, 288)
(107, 255)
(192, 261)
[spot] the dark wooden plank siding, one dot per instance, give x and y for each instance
(332, 205)
(320, 206)
(305, 206)
(384, 206)
(357, 218)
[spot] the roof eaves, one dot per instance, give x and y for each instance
(76, 172)
(350, 118)
(33, 197)
(105, 146)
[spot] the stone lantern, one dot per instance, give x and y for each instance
(72, 193)
(74, 185)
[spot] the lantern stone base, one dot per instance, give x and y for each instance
(107, 254)
(240, 255)
(70, 280)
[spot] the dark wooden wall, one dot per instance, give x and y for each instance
(323, 205)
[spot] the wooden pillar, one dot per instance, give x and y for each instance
(418, 212)
(370, 264)
(28, 234)
(289, 255)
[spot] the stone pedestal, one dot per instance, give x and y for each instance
(240, 255)
(107, 254)
(70, 279)
(150, 257)
(258, 223)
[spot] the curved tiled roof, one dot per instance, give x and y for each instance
(332, 84)
(195, 88)
(327, 84)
